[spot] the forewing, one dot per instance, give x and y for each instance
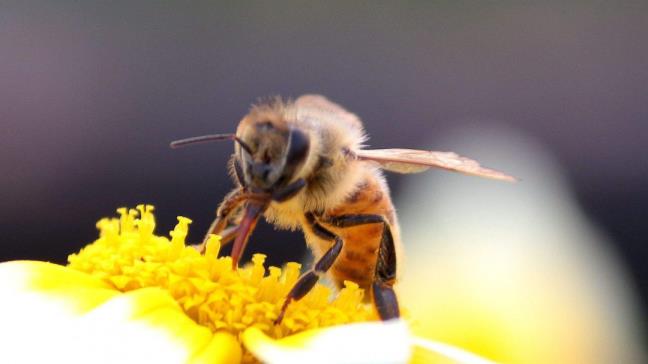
(415, 161)
(318, 106)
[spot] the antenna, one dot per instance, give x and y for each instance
(210, 138)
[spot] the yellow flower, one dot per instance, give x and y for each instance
(133, 296)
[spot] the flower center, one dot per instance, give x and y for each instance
(130, 256)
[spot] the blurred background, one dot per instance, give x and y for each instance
(92, 92)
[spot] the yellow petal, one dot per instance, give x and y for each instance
(55, 314)
(370, 342)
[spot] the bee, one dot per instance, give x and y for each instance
(302, 165)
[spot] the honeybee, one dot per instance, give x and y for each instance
(301, 164)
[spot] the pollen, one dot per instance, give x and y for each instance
(129, 256)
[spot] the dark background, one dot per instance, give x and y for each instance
(92, 92)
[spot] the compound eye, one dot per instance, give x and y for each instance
(298, 147)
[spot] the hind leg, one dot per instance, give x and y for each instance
(383, 295)
(384, 298)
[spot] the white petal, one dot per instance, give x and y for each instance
(49, 313)
(450, 352)
(374, 342)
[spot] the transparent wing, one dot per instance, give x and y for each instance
(415, 161)
(319, 106)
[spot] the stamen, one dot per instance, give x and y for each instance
(130, 256)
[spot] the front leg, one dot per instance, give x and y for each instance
(307, 281)
(226, 209)
(225, 215)
(228, 214)
(287, 192)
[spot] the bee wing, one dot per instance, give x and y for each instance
(415, 161)
(321, 107)
(319, 102)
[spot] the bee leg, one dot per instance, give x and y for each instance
(227, 235)
(236, 170)
(289, 191)
(307, 281)
(218, 227)
(227, 208)
(383, 293)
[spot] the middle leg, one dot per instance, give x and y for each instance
(307, 281)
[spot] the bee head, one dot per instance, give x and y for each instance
(271, 151)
